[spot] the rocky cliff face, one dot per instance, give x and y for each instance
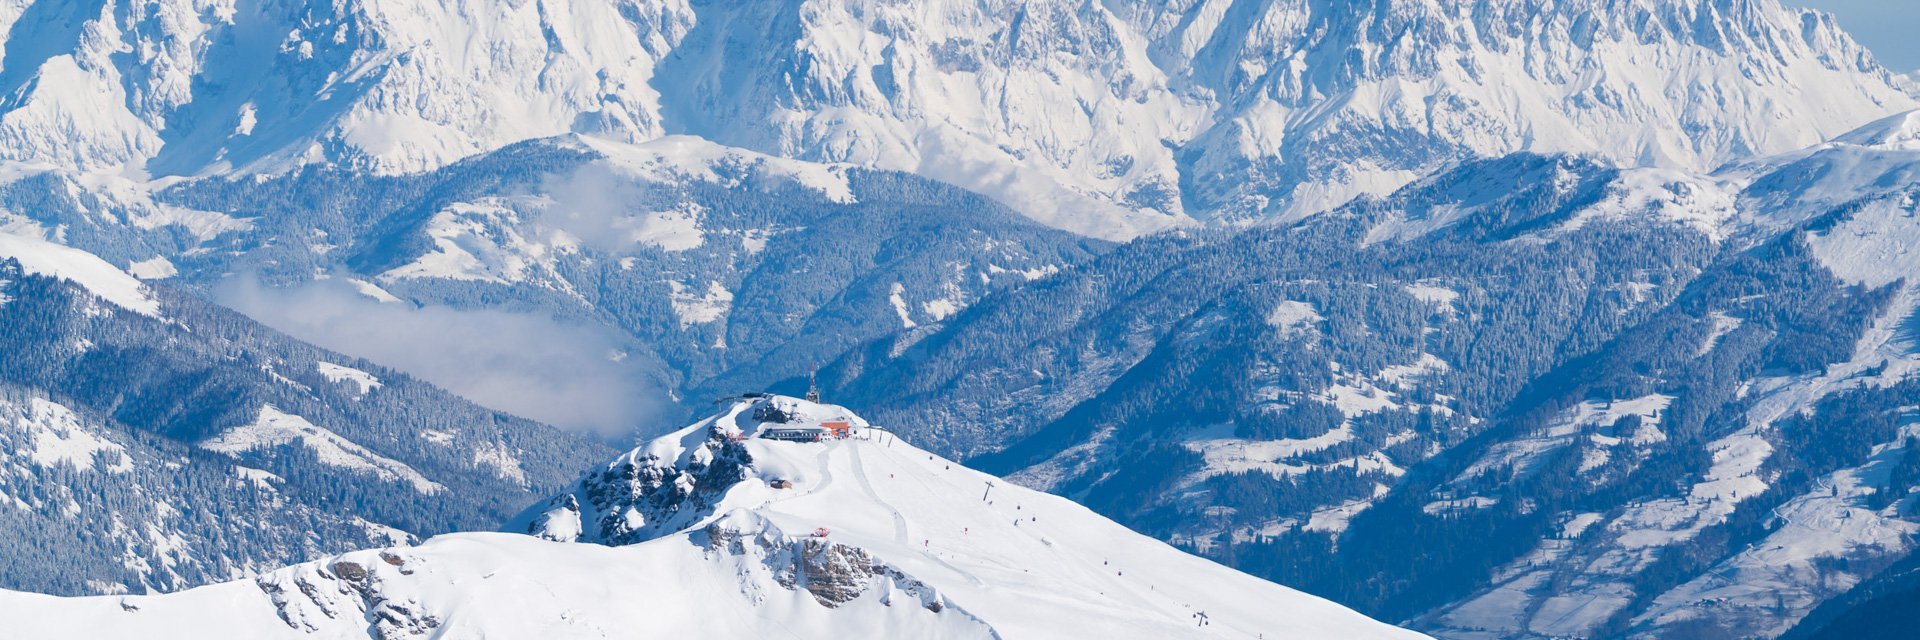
(833, 573)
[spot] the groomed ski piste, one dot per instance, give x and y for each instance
(862, 536)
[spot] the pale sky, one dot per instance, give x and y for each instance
(1891, 28)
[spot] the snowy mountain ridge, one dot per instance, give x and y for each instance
(864, 535)
(1108, 119)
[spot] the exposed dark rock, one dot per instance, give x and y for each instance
(349, 571)
(834, 573)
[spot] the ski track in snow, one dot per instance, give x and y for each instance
(899, 519)
(825, 459)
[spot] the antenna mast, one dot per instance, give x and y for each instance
(813, 386)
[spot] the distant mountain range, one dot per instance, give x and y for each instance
(1107, 119)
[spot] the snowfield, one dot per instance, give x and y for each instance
(865, 537)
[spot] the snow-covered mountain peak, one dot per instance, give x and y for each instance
(1895, 133)
(774, 476)
(1868, 163)
(777, 517)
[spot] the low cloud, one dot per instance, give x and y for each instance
(595, 205)
(615, 214)
(571, 375)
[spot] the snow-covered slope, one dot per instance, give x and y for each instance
(1878, 158)
(186, 86)
(97, 276)
(862, 537)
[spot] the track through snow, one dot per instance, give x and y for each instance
(899, 520)
(824, 462)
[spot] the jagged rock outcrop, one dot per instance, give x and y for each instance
(832, 572)
(350, 585)
(645, 493)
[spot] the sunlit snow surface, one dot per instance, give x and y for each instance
(105, 280)
(55, 436)
(366, 382)
(1001, 561)
(276, 428)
